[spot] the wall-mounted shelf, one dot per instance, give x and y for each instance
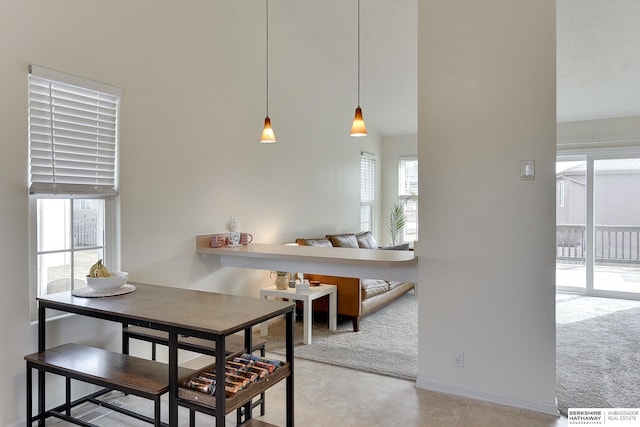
(348, 262)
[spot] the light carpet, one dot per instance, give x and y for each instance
(598, 357)
(387, 342)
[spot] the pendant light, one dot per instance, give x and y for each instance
(267, 132)
(358, 127)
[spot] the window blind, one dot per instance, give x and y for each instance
(367, 177)
(73, 135)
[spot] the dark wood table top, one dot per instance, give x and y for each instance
(163, 307)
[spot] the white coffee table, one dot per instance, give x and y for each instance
(307, 297)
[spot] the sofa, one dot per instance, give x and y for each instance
(356, 297)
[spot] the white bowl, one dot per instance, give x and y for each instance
(117, 280)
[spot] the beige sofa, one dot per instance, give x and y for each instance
(356, 297)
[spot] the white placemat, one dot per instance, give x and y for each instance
(92, 293)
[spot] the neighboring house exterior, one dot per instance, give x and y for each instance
(571, 196)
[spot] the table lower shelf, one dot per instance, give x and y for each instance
(257, 423)
(208, 402)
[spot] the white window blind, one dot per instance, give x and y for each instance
(73, 135)
(367, 177)
(367, 190)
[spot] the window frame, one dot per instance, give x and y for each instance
(590, 158)
(111, 245)
(561, 193)
(404, 198)
(368, 164)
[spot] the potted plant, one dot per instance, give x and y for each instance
(396, 222)
(282, 279)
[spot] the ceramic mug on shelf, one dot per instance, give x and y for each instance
(234, 238)
(245, 238)
(217, 240)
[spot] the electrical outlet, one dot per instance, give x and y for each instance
(458, 359)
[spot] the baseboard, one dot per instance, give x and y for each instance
(544, 408)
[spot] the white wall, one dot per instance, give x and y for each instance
(209, 165)
(14, 303)
(487, 101)
(192, 112)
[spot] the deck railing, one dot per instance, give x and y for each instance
(85, 232)
(614, 244)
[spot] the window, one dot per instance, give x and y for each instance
(86, 205)
(73, 176)
(69, 241)
(561, 193)
(367, 190)
(408, 196)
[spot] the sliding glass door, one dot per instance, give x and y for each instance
(571, 221)
(598, 226)
(617, 225)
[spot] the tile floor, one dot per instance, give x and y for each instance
(331, 396)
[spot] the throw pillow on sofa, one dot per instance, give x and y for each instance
(363, 240)
(314, 242)
(366, 241)
(347, 240)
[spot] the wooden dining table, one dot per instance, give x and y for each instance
(177, 311)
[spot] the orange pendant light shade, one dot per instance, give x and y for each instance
(358, 128)
(267, 133)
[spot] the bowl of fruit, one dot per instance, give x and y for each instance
(101, 279)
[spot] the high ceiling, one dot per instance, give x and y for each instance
(598, 59)
(598, 56)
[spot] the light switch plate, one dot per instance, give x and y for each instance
(527, 169)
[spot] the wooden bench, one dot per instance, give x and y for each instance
(113, 371)
(234, 344)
